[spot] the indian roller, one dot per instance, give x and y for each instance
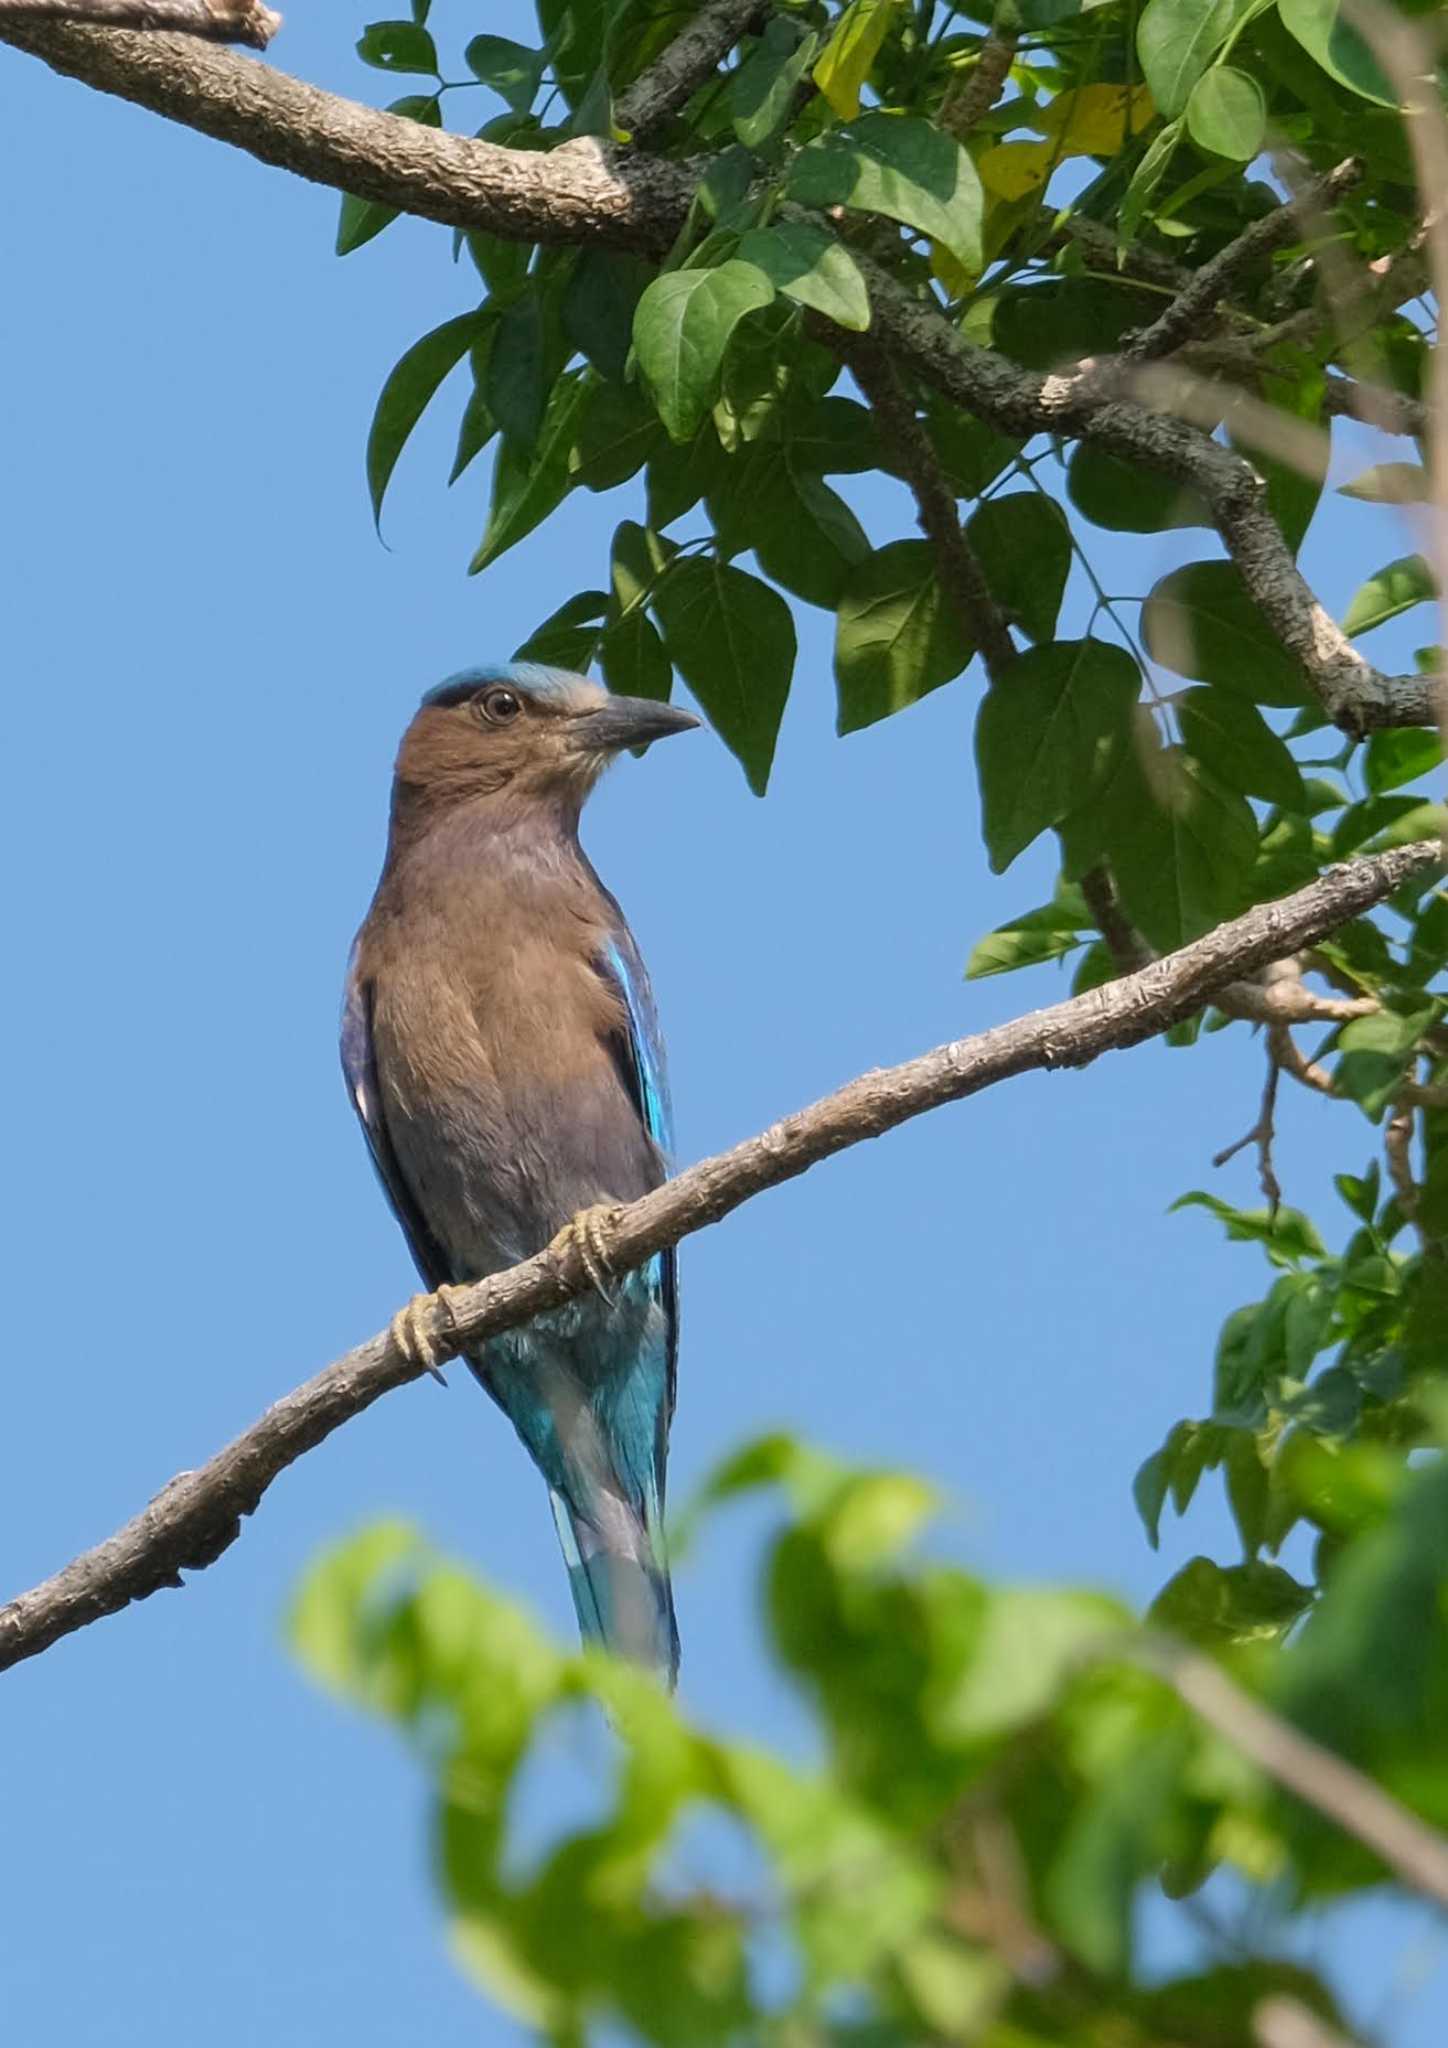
(502, 1051)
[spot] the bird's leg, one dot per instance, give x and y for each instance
(586, 1234)
(408, 1329)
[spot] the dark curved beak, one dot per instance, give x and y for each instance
(632, 722)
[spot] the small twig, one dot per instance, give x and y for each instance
(194, 1519)
(673, 78)
(1264, 1131)
(1398, 1151)
(1123, 941)
(1294, 1061)
(214, 21)
(972, 95)
(1414, 1852)
(1391, 412)
(1194, 311)
(961, 574)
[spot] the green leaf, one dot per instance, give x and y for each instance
(681, 329)
(568, 637)
(1395, 588)
(618, 433)
(477, 426)
(406, 393)
(637, 561)
(528, 485)
(1288, 1237)
(897, 635)
(515, 384)
(1231, 737)
(762, 94)
(1391, 483)
(732, 640)
(1396, 757)
(813, 267)
(680, 473)
(804, 534)
(1200, 621)
(1182, 847)
(1123, 498)
(971, 453)
(360, 219)
(1036, 935)
(1243, 1603)
(1031, 1640)
(599, 303)
(633, 658)
(1322, 28)
(1024, 545)
(902, 167)
(1042, 326)
(1145, 179)
(850, 53)
(833, 437)
(1045, 735)
(511, 69)
(1227, 114)
(1176, 40)
(397, 46)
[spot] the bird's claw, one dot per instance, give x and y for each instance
(586, 1234)
(408, 1329)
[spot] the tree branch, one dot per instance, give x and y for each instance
(1193, 312)
(1415, 1853)
(670, 82)
(215, 21)
(976, 91)
(585, 190)
(588, 191)
(194, 1519)
(937, 514)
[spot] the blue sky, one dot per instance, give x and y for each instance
(211, 659)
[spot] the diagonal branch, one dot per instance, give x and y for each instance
(194, 1519)
(215, 21)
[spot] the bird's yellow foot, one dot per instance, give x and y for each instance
(408, 1329)
(586, 1234)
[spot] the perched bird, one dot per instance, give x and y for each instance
(502, 1051)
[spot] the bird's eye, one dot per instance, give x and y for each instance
(500, 707)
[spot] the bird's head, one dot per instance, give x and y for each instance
(540, 734)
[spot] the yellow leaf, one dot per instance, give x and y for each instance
(1013, 170)
(1096, 119)
(850, 53)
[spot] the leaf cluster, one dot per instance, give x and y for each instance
(998, 1773)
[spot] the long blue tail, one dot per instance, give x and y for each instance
(619, 1578)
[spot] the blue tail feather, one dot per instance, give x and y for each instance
(619, 1579)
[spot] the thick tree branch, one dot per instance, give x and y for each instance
(587, 191)
(214, 21)
(584, 190)
(194, 1519)
(670, 82)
